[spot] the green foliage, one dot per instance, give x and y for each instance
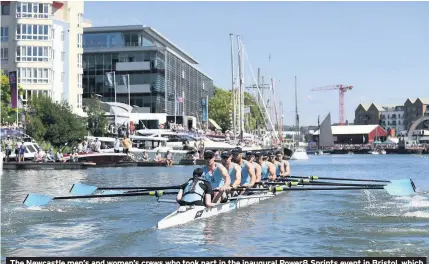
(97, 121)
(54, 122)
(220, 109)
(7, 113)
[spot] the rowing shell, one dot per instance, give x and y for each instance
(186, 214)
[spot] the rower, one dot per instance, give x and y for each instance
(277, 164)
(248, 177)
(217, 175)
(196, 191)
(251, 157)
(234, 169)
(268, 170)
(284, 163)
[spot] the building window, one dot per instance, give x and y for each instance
(79, 19)
(62, 76)
(5, 9)
(33, 32)
(33, 75)
(79, 101)
(63, 54)
(32, 53)
(79, 60)
(79, 40)
(33, 10)
(4, 55)
(4, 34)
(79, 81)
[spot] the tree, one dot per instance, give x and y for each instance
(97, 121)
(54, 122)
(220, 109)
(7, 113)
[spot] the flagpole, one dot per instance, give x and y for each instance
(114, 84)
(17, 105)
(207, 109)
(129, 88)
(183, 109)
(175, 102)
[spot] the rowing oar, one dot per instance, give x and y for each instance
(41, 199)
(85, 189)
(337, 179)
(403, 187)
(297, 183)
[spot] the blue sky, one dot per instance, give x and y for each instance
(381, 48)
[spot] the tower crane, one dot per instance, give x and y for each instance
(342, 90)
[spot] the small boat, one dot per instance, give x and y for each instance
(299, 154)
(373, 152)
(383, 152)
(186, 214)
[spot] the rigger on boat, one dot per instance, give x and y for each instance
(210, 191)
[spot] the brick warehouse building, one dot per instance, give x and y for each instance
(356, 134)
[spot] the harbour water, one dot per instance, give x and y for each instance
(307, 223)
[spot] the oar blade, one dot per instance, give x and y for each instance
(82, 189)
(34, 199)
(404, 187)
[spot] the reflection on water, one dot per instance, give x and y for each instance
(331, 223)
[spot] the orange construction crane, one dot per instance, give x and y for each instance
(342, 89)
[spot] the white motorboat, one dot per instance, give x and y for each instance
(299, 154)
(374, 152)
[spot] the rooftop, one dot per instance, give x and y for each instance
(351, 130)
(150, 31)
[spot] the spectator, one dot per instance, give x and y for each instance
(126, 143)
(21, 152)
(145, 156)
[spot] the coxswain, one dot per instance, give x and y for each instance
(268, 170)
(277, 164)
(248, 177)
(251, 157)
(284, 163)
(196, 191)
(234, 170)
(217, 175)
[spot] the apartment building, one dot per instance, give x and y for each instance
(397, 117)
(413, 110)
(392, 117)
(367, 114)
(156, 69)
(42, 41)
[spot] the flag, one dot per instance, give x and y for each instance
(180, 99)
(125, 81)
(109, 78)
(13, 89)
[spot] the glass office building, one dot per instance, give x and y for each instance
(156, 70)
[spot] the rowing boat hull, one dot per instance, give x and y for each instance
(186, 214)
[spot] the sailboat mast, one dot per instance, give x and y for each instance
(318, 126)
(241, 90)
(296, 112)
(234, 116)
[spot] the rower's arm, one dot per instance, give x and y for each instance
(258, 173)
(237, 181)
(226, 178)
(287, 171)
(282, 169)
(251, 171)
(272, 170)
(179, 195)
